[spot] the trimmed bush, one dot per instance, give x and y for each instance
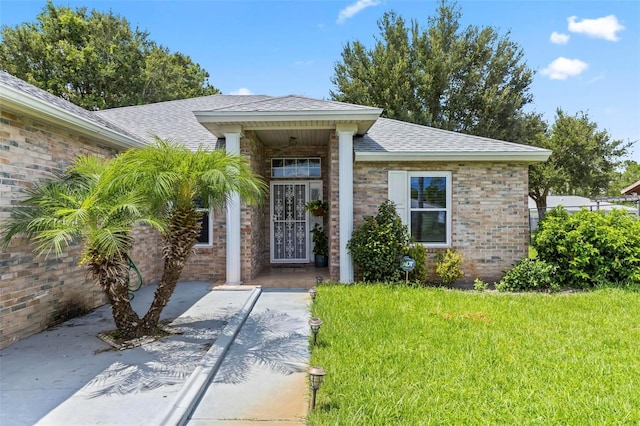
(529, 275)
(378, 245)
(448, 266)
(590, 249)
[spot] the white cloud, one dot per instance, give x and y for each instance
(241, 91)
(559, 38)
(351, 10)
(563, 68)
(605, 27)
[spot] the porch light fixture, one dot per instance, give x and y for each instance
(312, 292)
(316, 374)
(315, 324)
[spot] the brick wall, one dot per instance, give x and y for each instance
(489, 213)
(36, 292)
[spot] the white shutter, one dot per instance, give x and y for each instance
(398, 193)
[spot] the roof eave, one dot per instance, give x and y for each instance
(24, 102)
(215, 120)
(515, 156)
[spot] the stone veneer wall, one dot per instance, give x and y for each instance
(36, 292)
(490, 224)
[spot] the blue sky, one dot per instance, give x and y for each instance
(586, 53)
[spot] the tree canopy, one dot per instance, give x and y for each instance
(97, 61)
(471, 80)
(583, 162)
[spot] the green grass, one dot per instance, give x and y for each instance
(410, 356)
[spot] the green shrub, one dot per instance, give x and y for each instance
(378, 245)
(590, 249)
(420, 274)
(448, 266)
(529, 274)
(480, 285)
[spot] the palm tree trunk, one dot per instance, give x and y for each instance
(112, 277)
(179, 242)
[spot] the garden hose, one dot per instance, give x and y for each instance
(134, 287)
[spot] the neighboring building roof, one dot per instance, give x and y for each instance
(634, 188)
(575, 203)
(19, 95)
(392, 139)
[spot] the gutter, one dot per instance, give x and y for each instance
(540, 155)
(27, 103)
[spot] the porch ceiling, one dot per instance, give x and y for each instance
(300, 136)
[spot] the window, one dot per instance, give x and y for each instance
(423, 201)
(205, 239)
(295, 167)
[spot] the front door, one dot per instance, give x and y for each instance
(289, 225)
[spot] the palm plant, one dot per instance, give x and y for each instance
(80, 206)
(173, 178)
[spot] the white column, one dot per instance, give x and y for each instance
(345, 196)
(234, 264)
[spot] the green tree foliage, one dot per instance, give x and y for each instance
(590, 249)
(629, 175)
(378, 245)
(470, 80)
(97, 61)
(583, 161)
(449, 266)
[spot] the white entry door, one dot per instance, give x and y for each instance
(289, 222)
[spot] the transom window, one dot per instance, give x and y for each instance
(430, 207)
(295, 167)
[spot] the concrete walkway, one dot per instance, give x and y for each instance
(257, 347)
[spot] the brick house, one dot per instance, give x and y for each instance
(451, 189)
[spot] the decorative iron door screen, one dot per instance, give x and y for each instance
(289, 228)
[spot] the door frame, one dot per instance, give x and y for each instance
(272, 221)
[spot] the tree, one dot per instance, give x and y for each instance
(175, 179)
(473, 80)
(79, 206)
(97, 203)
(97, 61)
(583, 161)
(629, 174)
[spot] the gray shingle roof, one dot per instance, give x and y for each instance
(292, 103)
(44, 96)
(175, 119)
(393, 136)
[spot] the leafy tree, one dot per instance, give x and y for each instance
(629, 174)
(583, 161)
(470, 80)
(97, 203)
(96, 60)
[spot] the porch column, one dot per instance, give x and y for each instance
(345, 196)
(234, 264)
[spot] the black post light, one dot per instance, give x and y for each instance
(316, 374)
(312, 292)
(319, 279)
(315, 324)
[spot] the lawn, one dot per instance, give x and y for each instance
(409, 356)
